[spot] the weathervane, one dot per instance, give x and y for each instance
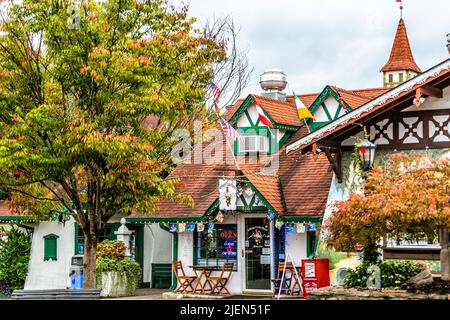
(401, 8)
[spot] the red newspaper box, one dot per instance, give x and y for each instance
(315, 275)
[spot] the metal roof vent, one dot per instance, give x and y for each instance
(273, 82)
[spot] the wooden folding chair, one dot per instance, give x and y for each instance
(278, 285)
(297, 282)
(184, 282)
(219, 283)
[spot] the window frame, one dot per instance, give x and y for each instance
(51, 247)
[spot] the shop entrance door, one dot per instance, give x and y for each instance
(257, 253)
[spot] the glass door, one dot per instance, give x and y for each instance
(257, 253)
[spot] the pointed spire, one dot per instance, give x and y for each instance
(401, 58)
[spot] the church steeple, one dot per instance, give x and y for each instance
(401, 65)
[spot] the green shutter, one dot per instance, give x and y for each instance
(50, 247)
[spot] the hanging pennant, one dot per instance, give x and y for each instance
(200, 227)
(270, 216)
(190, 227)
(173, 227)
(289, 228)
(312, 227)
(219, 217)
(279, 224)
(257, 200)
(210, 226)
(227, 194)
(301, 228)
(181, 227)
(248, 191)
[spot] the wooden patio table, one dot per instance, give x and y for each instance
(203, 272)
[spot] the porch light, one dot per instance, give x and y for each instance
(367, 154)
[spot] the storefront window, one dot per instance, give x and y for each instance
(107, 233)
(217, 246)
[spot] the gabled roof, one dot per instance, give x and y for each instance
(278, 112)
(376, 105)
(401, 57)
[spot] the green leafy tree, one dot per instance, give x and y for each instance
(15, 246)
(89, 98)
(406, 198)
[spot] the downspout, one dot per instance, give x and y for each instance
(174, 252)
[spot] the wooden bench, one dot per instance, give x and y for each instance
(57, 294)
(161, 275)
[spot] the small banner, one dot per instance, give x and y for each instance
(279, 224)
(301, 228)
(190, 227)
(270, 216)
(219, 217)
(200, 227)
(210, 226)
(289, 228)
(311, 227)
(227, 194)
(173, 227)
(181, 227)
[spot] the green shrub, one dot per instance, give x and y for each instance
(15, 246)
(393, 273)
(111, 258)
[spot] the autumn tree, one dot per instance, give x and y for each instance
(89, 96)
(406, 198)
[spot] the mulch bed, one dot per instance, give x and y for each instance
(438, 286)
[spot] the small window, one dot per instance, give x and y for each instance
(50, 247)
(254, 144)
(400, 77)
(391, 78)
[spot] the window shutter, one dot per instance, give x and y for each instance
(50, 247)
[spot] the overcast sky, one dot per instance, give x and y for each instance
(319, 42)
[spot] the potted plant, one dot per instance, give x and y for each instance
(117, 275)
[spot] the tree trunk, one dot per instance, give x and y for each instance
(444, 255)
(90, 252)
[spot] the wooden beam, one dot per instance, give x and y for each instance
(328, 144)
(431, 91)
(336, 162)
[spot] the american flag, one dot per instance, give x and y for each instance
(216, 93)
(228, 129)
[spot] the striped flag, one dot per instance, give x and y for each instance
(303, 112)
(262, 116)
(216, 93)
(341, 101)
(228, 129)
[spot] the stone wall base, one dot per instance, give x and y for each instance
(342, 293)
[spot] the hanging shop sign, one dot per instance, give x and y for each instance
(227, 194)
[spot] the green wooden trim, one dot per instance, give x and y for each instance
(283, 140)
(336, 115)
(268, 205)
(75, 249)
(312, 219)
(257, 122)
(286, 127)
(174, 258)
(324, 107)
(244, 201)
(249, 118)
(17, 218)
(251, 209)
(310, 254)
(247, 103)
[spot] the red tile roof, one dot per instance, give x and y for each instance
(5, 210)
(401, 57)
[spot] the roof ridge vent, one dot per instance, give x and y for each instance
(273, 82)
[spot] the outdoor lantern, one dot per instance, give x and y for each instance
(448, 42)
(367, 154)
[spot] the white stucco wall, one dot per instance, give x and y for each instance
(157, 248)
(50, 274)
(296, 247)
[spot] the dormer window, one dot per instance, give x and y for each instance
(253, 144)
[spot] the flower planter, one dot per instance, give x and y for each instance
(115, 284)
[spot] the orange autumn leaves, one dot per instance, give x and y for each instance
(408, 197)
